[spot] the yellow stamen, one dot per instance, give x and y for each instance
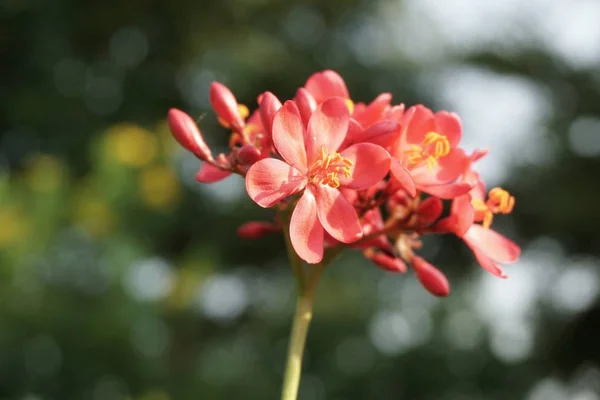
(499, 202)
(243, 110)
(350, 105)
(325, 170)
(433, 147)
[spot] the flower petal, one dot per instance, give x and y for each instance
(492, 244)
(306, 104)
(447, 191)
(374, 111)
(326, 84)
(270, 180)
(337, 216)
(418, 124)
(383, 133)
(288, 135)
(327, 128)
(403, 177)
(370, 164)
(462, 215)
(448, 169)
(306, 232)
(355, 129)
(208, 173)
(449, 125)
(487, 264)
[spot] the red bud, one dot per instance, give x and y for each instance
(248, 155)
(430, 277)
(268, 106)
(393, 264)
(429, 210)
(256, 229)
(226, 106)
(186, 132)
(210, 174)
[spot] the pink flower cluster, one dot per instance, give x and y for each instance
(372, 177)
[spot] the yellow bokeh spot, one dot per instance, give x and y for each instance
(14, 226)
(159, 187)
(186, 287)
(131, 145)
(45, 173)
(167, 142)
(93, 214)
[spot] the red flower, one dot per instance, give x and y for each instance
(324, 85)
(311, 162)
(489, 247)
(426, 156)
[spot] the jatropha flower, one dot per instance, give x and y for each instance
(349, 175)
(314, 163)
(366, 176)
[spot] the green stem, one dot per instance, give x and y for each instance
(302, 318)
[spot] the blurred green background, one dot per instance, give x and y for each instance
(123, 278)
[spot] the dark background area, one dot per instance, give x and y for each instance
(123, 278)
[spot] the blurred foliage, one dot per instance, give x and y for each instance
(122, 278)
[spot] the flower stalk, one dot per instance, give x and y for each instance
(301, 323)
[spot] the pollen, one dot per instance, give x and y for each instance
(499, 201)
(433, 147)
(327, 168)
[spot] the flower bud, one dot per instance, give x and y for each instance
(208, 173)
(389, 263)
(256, 229)
(430, 277)
(429, 211)
(248, 155)
(268, 106)
(186, 132)
(226, 106)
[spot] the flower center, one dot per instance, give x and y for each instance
(432, 147)
(499, 202)
(325, 169)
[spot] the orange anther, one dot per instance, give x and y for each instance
(499, 202)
